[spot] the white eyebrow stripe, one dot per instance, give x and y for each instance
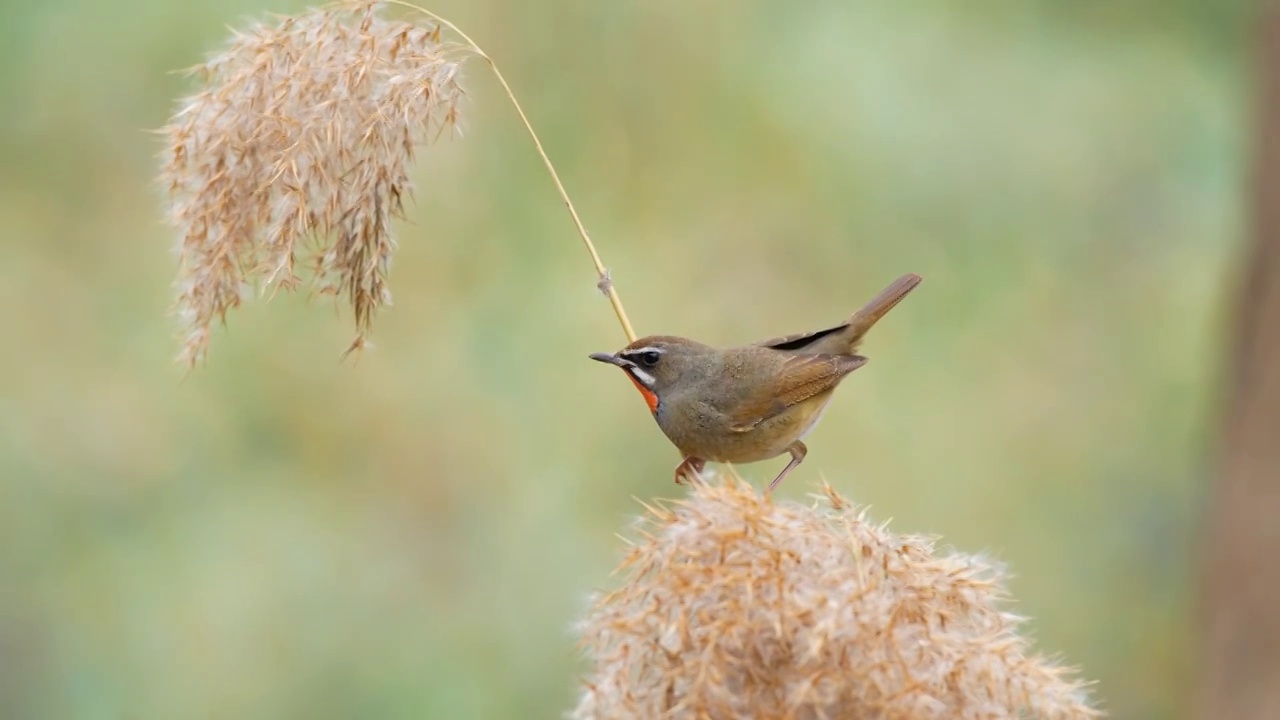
(641, 351)
(645, 378)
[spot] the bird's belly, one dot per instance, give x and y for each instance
(769, 439)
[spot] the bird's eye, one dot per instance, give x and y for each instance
(650, 358)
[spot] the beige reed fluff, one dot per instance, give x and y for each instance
(734, 606)
(299, 142)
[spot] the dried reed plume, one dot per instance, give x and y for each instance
(304, 131)
(302, 135)
(735, 607)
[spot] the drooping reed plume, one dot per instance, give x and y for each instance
(732, 606)
(295, 154)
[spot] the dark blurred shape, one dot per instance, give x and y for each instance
(1242, 582)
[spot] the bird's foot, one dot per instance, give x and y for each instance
(690, 467)
(798, 451)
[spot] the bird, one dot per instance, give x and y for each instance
(748, 403)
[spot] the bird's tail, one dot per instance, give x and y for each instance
(863, 320)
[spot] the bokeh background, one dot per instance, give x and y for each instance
(281, 534)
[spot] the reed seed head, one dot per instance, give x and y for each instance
(732, 606)
(295, 152)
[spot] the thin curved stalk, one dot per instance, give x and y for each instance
(604, 282)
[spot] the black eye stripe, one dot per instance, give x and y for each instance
(645, 357)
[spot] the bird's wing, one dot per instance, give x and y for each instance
(799, 340)
(800, 378)
(861, 321)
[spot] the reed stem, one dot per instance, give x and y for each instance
(604, 282)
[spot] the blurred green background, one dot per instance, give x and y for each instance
(280, 534)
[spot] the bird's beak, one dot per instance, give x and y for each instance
(609, 358)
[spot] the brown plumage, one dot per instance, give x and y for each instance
(752, 402)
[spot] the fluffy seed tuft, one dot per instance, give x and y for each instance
(734, 606)
(299, 143)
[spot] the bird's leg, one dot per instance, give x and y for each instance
(691, 466)
(798, 451)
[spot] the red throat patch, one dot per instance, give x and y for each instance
(650, 397)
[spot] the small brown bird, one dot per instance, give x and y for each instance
(753, 402)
